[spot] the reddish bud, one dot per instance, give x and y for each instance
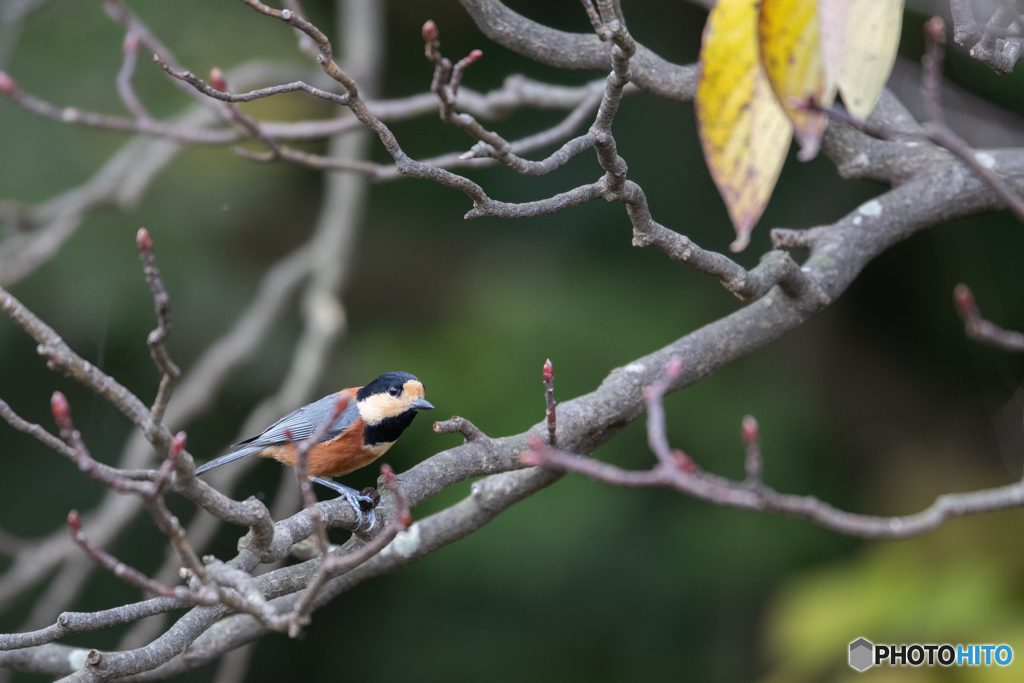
(430, 31)
(405, 519)
(74, 523)
(935, 30)
(549, 372)
(59, 406)
(387, 473)
(217, 81)
(684, 462)
(474, 55)
(143, 241)
(963, 299)
(131, 43)
(177, 445)
(6, 83)
(749, 430)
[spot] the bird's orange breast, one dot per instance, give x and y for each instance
(344, 454)
(334, 458)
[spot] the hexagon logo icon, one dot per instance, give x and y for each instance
(862, 654)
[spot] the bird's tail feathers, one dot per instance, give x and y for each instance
(229, 457)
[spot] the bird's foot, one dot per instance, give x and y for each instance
(362, 502)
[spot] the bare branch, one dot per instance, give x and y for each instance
(982, 330)
(157, 337)
(754, 463)
(753, 494)
(548, 375)
(124, 77)
(332, 565)
(981, 163)
(35, 430)
(577, 50)
(461, 425)
(224, 96)
(122, 571)
(999, 43)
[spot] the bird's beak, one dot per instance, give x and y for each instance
(421, 404)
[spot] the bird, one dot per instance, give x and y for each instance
(370, 422)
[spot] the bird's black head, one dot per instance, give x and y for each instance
(388, 404)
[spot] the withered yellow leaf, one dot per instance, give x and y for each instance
(872, 36)
(832, 15)
(790, 40)
(743, 130)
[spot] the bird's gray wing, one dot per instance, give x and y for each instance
(304, 421)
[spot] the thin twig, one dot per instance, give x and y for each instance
(124, 77)
(947, 139)
(156, 339)
(548, 375)
(332, 565)
(302, 450)
(752, 494)
(128, 574)
(978, 328)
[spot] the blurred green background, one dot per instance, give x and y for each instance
(877, 406)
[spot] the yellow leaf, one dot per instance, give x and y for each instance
(789, 40)
(832, 15)
(872, 36)
(743, 130)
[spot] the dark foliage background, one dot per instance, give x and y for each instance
(878, 405)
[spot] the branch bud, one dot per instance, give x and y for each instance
(963, 299)
(74, 522)
(684, 462)
(935, 30)
(143, 241)
(474, 55)
(156, 58)
(387, 473)
(430, 32)
(405, 519)
(7, 85)
(217, 81)
(286, 14)
(60, 408)
(177, 445)
(749, 430)
(549, 372)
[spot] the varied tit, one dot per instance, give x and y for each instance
(374, 418)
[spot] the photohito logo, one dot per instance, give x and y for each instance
(864, 654)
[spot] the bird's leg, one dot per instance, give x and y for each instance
(361, 501)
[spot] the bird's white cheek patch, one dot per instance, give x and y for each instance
(375, 408)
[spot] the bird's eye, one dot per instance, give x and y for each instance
(393, 390)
